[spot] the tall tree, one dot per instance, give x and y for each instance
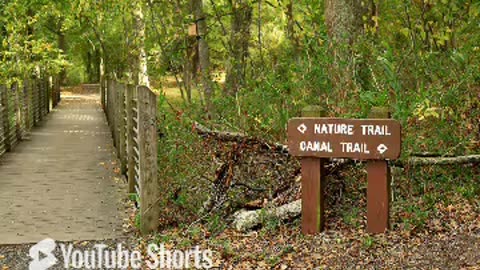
(344, 23)
(289, 12)
(62, 45)
(203, 52)
(141, 76)
(239, 44)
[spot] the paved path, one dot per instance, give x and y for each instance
(61, 182)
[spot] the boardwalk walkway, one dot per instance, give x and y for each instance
(61, 183)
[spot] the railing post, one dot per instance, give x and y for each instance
(26, 103)
(112, 110)
(49, 99)
(115, 113)
(149, 187)
(17, 112)
(36, 101)
(40, 98)
(130, 135)
(103, 84)
(2, 113)
(122, 127)
(40, 107)
(53, 84)
(2, 146)
(118, 118)
(47, 94)
(57, 90)
(6, 120)
(109, 104)
(107, 100)
(31, 107)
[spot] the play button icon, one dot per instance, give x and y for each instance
(42, 255)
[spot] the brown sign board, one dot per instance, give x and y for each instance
(362, 139)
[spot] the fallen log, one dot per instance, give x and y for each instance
(222, 135)
(444, 160)
(246, 220)
(237, 137)
(431, 154)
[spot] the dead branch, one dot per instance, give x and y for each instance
(238, 137)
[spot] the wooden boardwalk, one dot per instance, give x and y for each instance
(62, 182)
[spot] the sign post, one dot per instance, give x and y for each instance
(316, 138)
(378, 188)
(313, 185)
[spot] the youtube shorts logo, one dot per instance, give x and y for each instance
(42, 256)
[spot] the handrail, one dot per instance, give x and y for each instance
(24, 105)
(131, 115)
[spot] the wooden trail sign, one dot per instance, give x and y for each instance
(316, 138)
(344, 138)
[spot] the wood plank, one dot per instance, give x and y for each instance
(150, 189)
(122, 129)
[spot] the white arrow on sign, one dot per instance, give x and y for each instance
(382, 148)
(302, 128)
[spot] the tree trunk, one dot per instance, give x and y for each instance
(103, 82)
(88, 64)
(344, 23)
(141, 74)
(239, 43)
(203, 53)
(99, 54)
(291, 29)
(191, 65)
(62, 45)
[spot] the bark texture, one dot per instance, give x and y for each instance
(239, 44)
(141, 77)
(203, 52)
(344, 22)
(291, 28)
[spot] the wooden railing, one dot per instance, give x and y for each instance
(22, 106)
(131, 114)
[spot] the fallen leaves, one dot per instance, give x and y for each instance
(449, 240)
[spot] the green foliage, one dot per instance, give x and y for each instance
(350, 216)
(76, 74)
(368, 242)
(184, 185)
(271, 223)
(216, 225)
(415, 217)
